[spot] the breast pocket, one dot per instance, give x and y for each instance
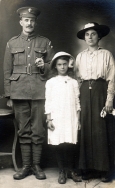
(39, 52)
(18, 55)
(14, 77)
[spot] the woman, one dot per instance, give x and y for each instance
(95, 72)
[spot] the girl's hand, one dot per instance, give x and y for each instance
(51, 126)
(79, 125)
(10, 103)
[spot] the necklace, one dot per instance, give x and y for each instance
(90, 87)
(90, 84)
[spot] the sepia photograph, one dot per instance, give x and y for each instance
(57, 93)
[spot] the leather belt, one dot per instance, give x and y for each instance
(29, 69)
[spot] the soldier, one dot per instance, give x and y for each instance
(26, 63)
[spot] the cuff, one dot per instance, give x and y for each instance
(42, 70)
(110, 97)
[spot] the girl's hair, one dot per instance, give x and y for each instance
(53, 71)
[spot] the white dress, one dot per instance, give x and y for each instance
(62, 101)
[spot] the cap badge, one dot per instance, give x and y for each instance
(29, 10)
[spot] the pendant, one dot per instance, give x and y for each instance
(90, 87)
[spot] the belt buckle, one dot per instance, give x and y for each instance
(29, 69)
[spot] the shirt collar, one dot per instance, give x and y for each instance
(63, 77)
(95, 52)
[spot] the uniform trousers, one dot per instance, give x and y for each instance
(30, 117)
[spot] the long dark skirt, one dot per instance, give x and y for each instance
(94, 140)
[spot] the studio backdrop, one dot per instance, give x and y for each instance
(60, 20)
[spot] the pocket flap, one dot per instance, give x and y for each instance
(40, 50)
(14, 77)
(17, 50)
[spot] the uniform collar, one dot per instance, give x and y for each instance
(30, 36)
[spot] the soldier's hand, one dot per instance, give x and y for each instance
(50, 126)
(10, 103)
(39, 62)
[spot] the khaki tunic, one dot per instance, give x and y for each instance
(20, 55)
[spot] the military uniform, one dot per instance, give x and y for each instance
(24, 83)
(21, 75)
(22, 79)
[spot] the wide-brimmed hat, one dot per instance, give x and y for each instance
(102, 29)
(28, 12)
(59, 54)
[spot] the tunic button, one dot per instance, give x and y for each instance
(28, 39)
(28, 47)
(28, 55)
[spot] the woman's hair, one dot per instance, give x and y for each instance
(53, 71)
(99, 33)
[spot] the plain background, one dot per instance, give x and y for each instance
(60, 20)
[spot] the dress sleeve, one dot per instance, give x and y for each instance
(77, 94)
(48, 97)
(110, 77)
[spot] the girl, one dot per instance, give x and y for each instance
(95, 71)
(62, 107)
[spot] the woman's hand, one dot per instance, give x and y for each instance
(109, 106)
(50, 126)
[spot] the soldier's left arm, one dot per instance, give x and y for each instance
(50, 52)
(48, 58)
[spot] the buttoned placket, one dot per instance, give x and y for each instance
(89, 65)
(28, 48)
